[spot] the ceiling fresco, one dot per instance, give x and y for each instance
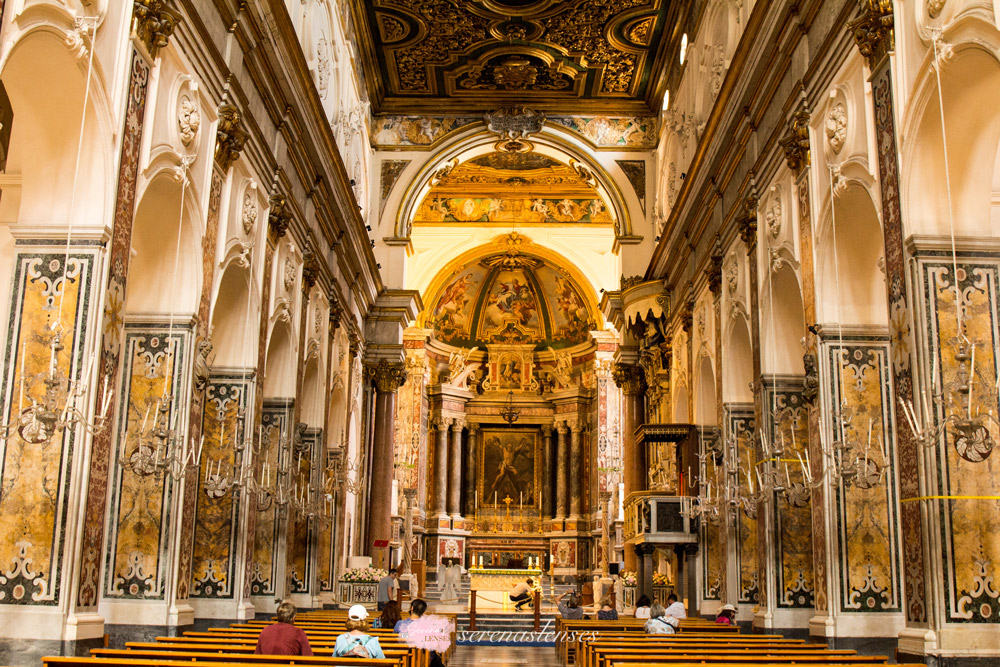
(507, 188)
(507, 298)
(476, 55)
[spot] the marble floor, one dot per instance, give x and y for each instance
(502, 656)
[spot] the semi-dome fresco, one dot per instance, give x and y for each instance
(514, 188)
(511, 298)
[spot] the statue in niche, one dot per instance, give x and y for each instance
(201, 363)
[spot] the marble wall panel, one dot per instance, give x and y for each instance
(740, 426)
(275, 428)
(866, 509)
(137, 560)
(301, 540)
(217, 513)
(713, 530)
(49, 294)
(965, 474)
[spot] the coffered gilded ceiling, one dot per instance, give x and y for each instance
(564, 56)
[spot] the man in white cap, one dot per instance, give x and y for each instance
(356, 642)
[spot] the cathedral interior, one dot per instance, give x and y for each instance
(692, 296)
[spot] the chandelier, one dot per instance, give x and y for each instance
(509, 413)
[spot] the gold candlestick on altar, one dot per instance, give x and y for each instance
(508, 525)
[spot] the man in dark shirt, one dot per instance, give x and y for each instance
(283, 638)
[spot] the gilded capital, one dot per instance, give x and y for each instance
(388, 378)
(154, 22)
(230, 137)
(796, 142)
(747, 224)
(714, 273)
(873, 31)
(278, 217)
(629, 377)
(310, 270)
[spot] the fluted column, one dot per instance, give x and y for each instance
(472, 440)
(632, 381)
(575, 470)
(387, 379)
(441, 467)
(455, 471)
(549, 504)
(562, 461)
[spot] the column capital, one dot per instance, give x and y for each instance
(562, 428)
(873, 32)
(547, 430)
(747, 224)
(441, 423)
(230, 137)
(629, 377)
(795, 143)
(473, 428)
(457, 425)
(154, 23)
(310, 270)
(388, 377)
(713, 273)
(278, 217)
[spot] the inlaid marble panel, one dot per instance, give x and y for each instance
(276, 429)
(740, 426)
(49, 294)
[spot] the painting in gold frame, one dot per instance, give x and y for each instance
(509, 465)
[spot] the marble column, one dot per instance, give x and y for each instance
(455, 471)
(644, 573)
(471, 461)
(575, 470)
(387, 378)
(631, 379)
(562, 460)
(548, 451)
(441, 468)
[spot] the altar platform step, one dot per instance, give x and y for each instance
(506, 629)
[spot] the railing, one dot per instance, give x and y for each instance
(654, 517)
(536, 604)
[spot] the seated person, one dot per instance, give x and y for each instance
(521, 593)
(389, 618)
(642, 607)
(675, 608)
(607, 612)
(283, 638)
(571, 609)
(726, 615)
(417, 609)
(659, 623)
(356, 642)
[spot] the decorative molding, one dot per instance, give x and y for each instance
(230, 135)
(154, 23)
(873, 31)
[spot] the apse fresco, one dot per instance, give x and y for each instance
(500, 300)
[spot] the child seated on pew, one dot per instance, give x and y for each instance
(659, 623)
(283, 638)
(356, 643)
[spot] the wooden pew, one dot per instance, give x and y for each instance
(238, 661)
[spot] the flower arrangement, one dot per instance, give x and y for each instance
(628, 578)
(363, 575)
(660, 579)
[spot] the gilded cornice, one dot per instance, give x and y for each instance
(873, 31)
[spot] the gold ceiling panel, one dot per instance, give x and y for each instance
(461, 56)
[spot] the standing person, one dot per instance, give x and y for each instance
(675, 608)
(356, 642)
(387, 588)
(521, 593)
(389, 618)
(642, 607)
(283, 638)
(607, 612)
(659, 623)
(571, 609)
(726, 615)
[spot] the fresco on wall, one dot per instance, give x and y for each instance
(866, 510)
(509, 188)
(416, 131)
(35, 478)
(502, 299)
(969, 540)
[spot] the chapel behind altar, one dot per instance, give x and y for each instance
(626, 296)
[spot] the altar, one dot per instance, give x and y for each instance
(492, 586)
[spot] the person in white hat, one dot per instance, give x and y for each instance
(356, 642)
(726, 615)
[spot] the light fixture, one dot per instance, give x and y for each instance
(684, 47)
(666, 100)
(508, 412)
